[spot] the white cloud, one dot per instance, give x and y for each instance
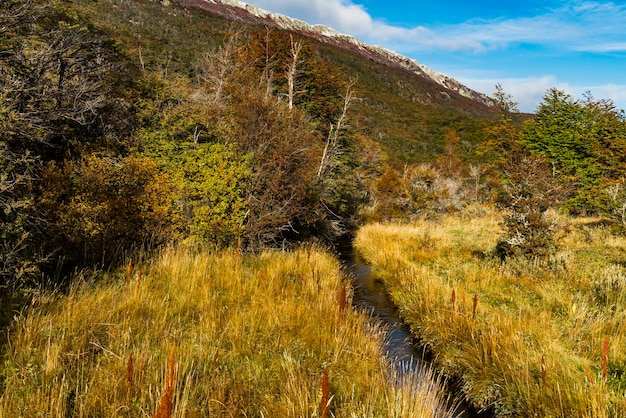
(615, 92)
(527, 92)
(605, 47)
(341, 15)
(581, 25)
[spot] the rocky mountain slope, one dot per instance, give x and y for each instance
(249, 14)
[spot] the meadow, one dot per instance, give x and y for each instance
(189, 334)
(526, 337)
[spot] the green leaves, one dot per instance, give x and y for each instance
(583, 141)
(210, 182)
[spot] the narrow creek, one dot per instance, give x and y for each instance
(404, 352)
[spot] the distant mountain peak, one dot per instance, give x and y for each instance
(248, 13)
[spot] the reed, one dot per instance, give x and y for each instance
(325, 401)
(167, 399)
(474, 306)
(342, 298)
(605, 358)
(453, 300)
(127, 277)
(129, 381)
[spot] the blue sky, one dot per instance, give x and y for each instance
(527, 46)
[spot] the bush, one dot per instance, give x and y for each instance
(529, 191)
(210, 183)
(102, 204)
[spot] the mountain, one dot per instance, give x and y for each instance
(404, 106)
(249, 14)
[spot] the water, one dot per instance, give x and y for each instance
(404, 352)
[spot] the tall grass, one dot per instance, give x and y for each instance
(190, 335)
(527, 337)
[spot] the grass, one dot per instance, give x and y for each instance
(193, 334)
(527, 337)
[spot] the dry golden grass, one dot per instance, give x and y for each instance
(191, 335)
(528, 338)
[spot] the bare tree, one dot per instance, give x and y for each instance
(617, 201)
(219, 65)
(292, 70)
(475, 173)
(330, 148)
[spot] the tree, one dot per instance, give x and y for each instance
(503, 140)
(582, 141)
(292, 71)
(529, 190)
(616, 193)
(283, 59)
(558, 133)
(284, 149)
(505, 101)
(217, 67)
(450, 163)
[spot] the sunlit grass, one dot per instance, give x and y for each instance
(533, 343)
(213, 335)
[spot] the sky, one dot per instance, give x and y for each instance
(525, 46)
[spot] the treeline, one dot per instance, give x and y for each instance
(99, 156)
(569, 156)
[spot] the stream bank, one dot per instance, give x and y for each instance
(404, 351)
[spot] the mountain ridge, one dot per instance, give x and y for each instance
(247, 13)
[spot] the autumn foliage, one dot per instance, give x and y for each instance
(102, 155)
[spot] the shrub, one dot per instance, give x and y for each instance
(103, 204)
(211, 195)
(529, 191)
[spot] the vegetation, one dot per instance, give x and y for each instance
(584, 141)
(138, 125)
(528, 336)
(529, 191)
(197, 334)
(198, 129)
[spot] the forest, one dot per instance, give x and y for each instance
(133, 130)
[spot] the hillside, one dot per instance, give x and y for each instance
(241, 12)
(403, 105)
(132, 123)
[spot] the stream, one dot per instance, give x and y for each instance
(404, 351)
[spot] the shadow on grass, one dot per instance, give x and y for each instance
(11, 302)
